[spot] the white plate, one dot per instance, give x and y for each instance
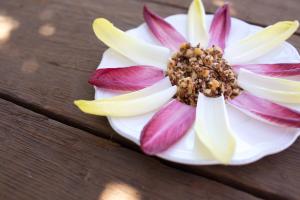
(255, 139)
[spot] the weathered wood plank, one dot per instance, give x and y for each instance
(262, 12)
(44, 159)
(48, 72)
(52, 71)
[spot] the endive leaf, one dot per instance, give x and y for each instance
(276, 70)
(166, 34)
(166, 127)
(220, 27)
(155, 88)
(213, 128)
(268, 82)
(275, 89)
(133, 48)
(196, 24)
(261, 42)
(126, 78)
(127, 108)
(265, 110)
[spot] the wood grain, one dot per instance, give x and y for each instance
(52, 71)
(46, 72)
(261, 12)
(44, 159)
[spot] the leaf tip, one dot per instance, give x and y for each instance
(145, 9)
(296, 24)
(226, 5)
(79, 103)
(148, 15)
(291, 25)
(100, 23)
(147, 149)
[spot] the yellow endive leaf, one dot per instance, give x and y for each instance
(267, 81)
(157, 87)
(273, 95)
(127, 108)
(260, 43)
(133, 48)
(274, 89)
(196, 24)
(213, 128)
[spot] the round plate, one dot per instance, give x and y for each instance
(255, 139)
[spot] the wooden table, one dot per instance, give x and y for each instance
(50, 150)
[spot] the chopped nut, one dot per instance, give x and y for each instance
(205, 73)
(172, 63)
(200, 62)
(210, 50)
(194, 75)
(198, 51)
(184, 46)
(208, 60)
(218, 49)
(189, 53)
(193, 59)
(214, 84)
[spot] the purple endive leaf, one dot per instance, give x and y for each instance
(220, 27)
(166, 127)
(266, 110)
(276, 70)
(127, 78)
(166, 34)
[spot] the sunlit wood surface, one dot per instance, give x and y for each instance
(50, 150)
